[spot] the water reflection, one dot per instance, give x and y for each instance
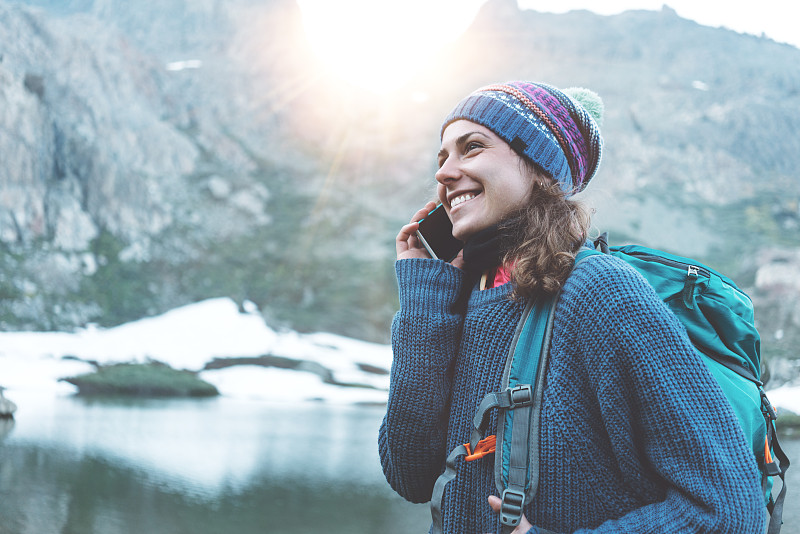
(85, 466)
(6, 426)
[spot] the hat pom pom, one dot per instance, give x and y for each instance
(590, 101)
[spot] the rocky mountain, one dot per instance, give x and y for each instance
(158, 153)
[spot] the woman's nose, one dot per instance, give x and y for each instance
(448, 172)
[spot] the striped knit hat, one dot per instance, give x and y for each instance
(556, 130)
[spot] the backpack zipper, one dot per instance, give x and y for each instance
(688, 267)
(692, 273)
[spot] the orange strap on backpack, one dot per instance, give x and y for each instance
(767, 453)
(482, 448)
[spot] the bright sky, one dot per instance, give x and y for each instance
(378, 44)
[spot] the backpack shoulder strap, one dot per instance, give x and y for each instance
(774, 466)
(517, 461)
(519, 401)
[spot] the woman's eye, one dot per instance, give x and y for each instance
(472, 145)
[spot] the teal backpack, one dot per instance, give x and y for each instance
(718, 317)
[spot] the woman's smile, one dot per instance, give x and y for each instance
(461, 199)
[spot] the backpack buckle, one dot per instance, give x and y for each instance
(511, 509)
(521, 395)
(767, 407)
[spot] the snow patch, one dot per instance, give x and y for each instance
(193, 335)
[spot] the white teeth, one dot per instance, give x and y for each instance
(463, 198)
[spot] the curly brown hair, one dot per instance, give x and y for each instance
(545, 236)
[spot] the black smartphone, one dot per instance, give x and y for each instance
(436, 233)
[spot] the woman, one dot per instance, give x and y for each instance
(625, 446)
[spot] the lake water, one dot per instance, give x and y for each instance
(71, 465)
(76, 466)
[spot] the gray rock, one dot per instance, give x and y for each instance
(7, 408)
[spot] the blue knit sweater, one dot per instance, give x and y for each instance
(636, 436)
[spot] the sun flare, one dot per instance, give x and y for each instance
(379, 44)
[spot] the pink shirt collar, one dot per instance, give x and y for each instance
(497, 277)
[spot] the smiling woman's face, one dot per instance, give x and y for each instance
(481, 179)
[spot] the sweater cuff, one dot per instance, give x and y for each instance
(427, 283)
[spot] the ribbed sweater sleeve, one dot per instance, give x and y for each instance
(425, 337)
(670, 430)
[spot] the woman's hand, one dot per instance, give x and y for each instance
(407, 243)
(523, 527)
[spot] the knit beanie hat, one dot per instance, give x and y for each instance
(557, 130)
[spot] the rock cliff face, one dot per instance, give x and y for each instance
(159, 152)
(104, 119)
(86, 144)
(85, 149)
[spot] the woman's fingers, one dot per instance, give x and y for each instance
(407, 238)
(407, 243)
